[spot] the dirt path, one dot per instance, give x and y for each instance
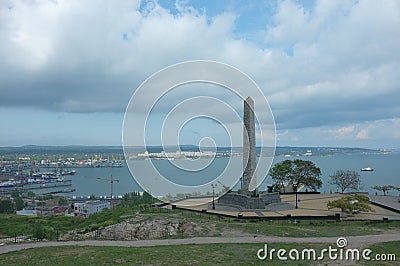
(353, 241)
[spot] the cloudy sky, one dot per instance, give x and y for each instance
(329, 69)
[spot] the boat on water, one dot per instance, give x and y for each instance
(66, 190)
(308, 153)
(9, 183)
(116, 164)
(34, 183)
(367, 169)
(54, 173)
(72, 172)
(46, 183)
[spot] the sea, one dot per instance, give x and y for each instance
(96, 181)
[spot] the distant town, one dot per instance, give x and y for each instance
(28, 161)
(31, 177)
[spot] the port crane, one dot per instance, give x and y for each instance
(111, 180)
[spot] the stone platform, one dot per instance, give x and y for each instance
(242, 202)
(388, 202)
(313, 205)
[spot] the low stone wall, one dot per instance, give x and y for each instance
(270, 197)
(246, 202)
(226, 207)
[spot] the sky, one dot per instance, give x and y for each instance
(330, 70)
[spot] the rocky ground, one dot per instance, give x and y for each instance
(142, 228)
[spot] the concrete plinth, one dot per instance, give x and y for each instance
(247, 202)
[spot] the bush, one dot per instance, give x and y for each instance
(6, 206)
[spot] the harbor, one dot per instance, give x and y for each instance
(93, 180)
(48, 176)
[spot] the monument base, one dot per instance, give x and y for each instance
(233, 200)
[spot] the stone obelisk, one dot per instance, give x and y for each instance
(249, 146)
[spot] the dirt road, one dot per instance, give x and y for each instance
(353, 241)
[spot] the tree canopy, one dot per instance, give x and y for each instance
(296, 173)
(6, 206)
(280, 174)
(357, 202)
(386, 188)
(345, 180)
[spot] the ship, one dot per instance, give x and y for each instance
(72, 172)
(45, 183)
(34, 183)
(9, 183)
(308, 153)
(367, 169)
(54, 173)
(66, 190)
(117, 164)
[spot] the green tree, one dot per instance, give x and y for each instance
(130, 199)
(38, 231)
(280, 174)
(297, 173)
(19, 203)
(6, 206)
(126, 199)
(147, 197)
(30, 194)
(345, 180)
(385, 189)
(343, 204)
(305, 173)
(62, 201)
(15, 193)
(357, 202)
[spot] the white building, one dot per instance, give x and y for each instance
(90, 207)
(27, 212)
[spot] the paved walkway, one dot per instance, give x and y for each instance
(391, 202)
(309, 205)
(353, 241)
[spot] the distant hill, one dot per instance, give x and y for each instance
(76, 149)
(36, 149)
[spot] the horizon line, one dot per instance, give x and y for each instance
(169, 145)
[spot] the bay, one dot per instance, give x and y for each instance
(88, 181)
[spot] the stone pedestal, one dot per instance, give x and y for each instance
(246, 202)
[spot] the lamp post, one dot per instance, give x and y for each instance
(295, 187)
(213, 202)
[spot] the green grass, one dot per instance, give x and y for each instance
(211, 225)
(316, 228)
(302, 228)
(11, 224)
(385, 248)
(203, 254)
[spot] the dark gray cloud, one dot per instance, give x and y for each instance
(335, 63)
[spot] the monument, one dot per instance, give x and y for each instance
(249, 197)
(249, 147)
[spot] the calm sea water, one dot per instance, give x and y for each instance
(88, 181)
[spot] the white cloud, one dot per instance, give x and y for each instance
(363, 134)
(335, 63)
(372, 134)
(342, 132)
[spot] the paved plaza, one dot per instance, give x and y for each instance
(308, 205)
